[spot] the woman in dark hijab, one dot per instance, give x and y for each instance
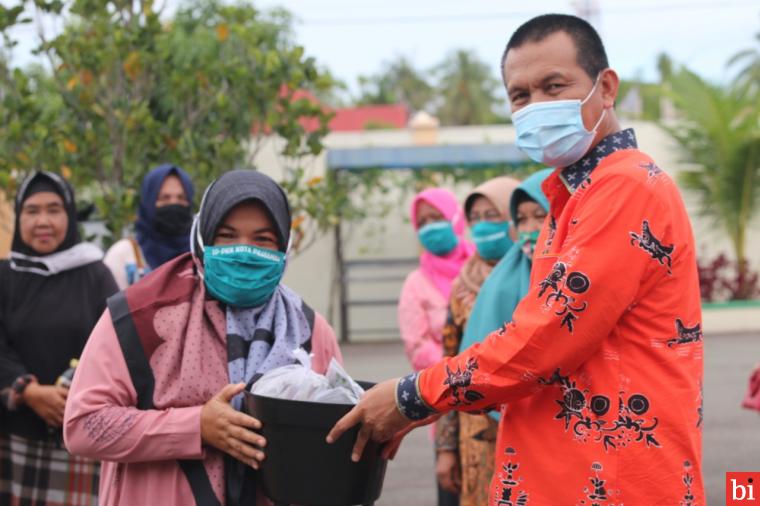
(53, 289)
(162, 229)
(157, 392)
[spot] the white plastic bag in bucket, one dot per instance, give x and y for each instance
(298, 382)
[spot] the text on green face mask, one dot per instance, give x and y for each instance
(245, 248)
(489, 237)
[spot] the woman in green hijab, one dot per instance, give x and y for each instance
(508, 283)
(465, 442)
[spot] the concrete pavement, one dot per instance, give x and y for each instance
(731, 434)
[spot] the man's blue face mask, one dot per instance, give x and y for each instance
(553, 133)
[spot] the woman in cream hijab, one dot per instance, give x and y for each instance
(464, 443)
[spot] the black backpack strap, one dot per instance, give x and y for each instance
(134, 353)
(197, 477)
(142, 378)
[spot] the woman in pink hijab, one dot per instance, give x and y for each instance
(423, 305)
(440, 225)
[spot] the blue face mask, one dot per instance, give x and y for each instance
(553, 133)
(492, 239)
(528, 241)
(438, 238)
(241, 275)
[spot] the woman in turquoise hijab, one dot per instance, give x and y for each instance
(508, 283)
(466, 442)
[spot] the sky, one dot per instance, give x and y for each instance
(355, 37)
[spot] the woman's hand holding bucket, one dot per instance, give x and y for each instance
(231, 431)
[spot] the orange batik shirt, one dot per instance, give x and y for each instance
(600, 371)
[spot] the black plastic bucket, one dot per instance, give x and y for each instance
(300, 467)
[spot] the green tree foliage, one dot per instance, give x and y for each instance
(748, 79)
(125, 90)
(397, 82)
(720, 135)
(461, 90)
(469, 94)
(664, 67)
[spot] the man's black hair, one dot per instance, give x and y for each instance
(590, 53)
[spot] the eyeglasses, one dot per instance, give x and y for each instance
(490, 215)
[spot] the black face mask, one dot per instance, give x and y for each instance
(173, 220)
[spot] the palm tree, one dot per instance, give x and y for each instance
(719, 132)
(399, 81)
(468, 91)
(664, 66)
(748, 78)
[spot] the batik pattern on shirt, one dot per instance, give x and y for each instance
(602, 363)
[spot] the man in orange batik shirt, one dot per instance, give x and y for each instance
(601, 366)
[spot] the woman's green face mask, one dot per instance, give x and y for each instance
(528, 241)
(438, 237)
(492, 239)
(244, 266)
(242, 275)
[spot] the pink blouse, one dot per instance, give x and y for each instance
(140, 448)
(421, 318)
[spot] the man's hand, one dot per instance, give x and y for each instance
(378, 415)
(231, 431)
(390, 449)
(48, 401)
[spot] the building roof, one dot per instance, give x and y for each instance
(350, 119)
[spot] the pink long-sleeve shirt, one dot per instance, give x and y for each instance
(140, 448)
(421, 318)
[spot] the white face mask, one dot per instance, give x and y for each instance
(553, 132)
